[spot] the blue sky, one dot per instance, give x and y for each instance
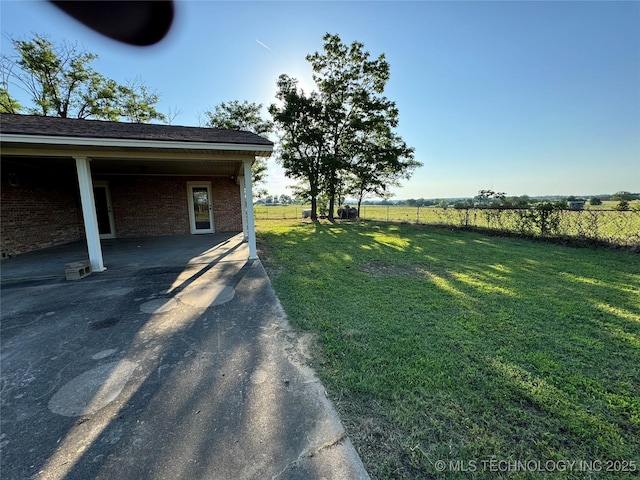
(537, 98)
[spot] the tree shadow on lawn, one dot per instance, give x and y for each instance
(466, 346)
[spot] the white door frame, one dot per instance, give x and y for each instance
(192, 217)
(112, 223)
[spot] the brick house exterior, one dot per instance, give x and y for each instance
(142, 177)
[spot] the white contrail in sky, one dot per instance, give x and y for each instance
(263, 44)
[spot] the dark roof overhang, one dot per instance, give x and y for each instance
(121, 148)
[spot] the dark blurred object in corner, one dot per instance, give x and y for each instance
(139, 23)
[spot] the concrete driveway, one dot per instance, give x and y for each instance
(176, 362)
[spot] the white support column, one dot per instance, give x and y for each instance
(243, 208)
(251, 227)
(89, 214)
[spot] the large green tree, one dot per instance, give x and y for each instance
(239, 116)
(354, 144)
(61, 82)
(243, 116)
(302, 148)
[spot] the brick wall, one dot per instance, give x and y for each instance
(227, 216)
(152, 206)
(39, 208)
(42, 208)
(149, 206)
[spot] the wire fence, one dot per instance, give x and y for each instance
(618, 228)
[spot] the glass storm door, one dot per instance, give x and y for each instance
(104, 211)
(200, 207)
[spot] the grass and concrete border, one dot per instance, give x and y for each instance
(446, 350)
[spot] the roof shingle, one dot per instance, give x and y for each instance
(72, 127)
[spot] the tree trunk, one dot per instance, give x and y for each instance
(332, 196)
(314, 209)
(360, 201)
(332, 202)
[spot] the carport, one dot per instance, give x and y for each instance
(66, 180)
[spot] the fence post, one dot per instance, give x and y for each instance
(418, 215)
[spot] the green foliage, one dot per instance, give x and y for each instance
(301, 151)
(8, 104)
(62, 83)
(275, 200)
(544, 217)
(340, 139)
(489, 199)
(234, 115)
(623, 206)
(622, 195)
(463, 204)
(523, 201)
(243, 116)
(285, 199)
(137, 102)
(595, 201)
(421, 202)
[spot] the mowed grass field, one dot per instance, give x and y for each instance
(445, 351)
(600, 223)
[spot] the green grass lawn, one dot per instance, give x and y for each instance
(449, 345)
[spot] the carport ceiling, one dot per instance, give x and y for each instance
(122, 160)
(132, 166)
(166, 167)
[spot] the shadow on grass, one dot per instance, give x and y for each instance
(450, 345)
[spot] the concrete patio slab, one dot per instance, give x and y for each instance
(176, 362)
